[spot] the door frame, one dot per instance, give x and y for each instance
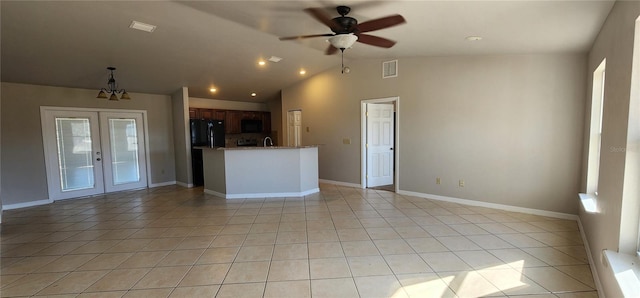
(47, 155)
(363, 134)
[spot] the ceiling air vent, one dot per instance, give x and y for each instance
(390, 69)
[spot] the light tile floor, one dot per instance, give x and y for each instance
(343, 242)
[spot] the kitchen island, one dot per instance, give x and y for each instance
(260, 172)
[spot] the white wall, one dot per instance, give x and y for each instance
(511, 126)
(603, 229)
(23, 170)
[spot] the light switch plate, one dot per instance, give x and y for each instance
(346, 141)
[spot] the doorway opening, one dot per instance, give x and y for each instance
(379, 131)
(294, 128)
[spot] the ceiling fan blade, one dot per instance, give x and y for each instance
(381, 23)
(375, 41)
(320, 15)
(331, 50)
(305, 36)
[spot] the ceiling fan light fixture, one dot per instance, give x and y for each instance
(343, 41)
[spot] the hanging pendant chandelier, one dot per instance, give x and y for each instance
(112, 88)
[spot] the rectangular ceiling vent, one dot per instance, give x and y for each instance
(390, 69)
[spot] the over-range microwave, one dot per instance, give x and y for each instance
(250, 126)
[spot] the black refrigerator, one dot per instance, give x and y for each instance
(204, 133)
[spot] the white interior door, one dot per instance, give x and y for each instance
(124, 159)
(73, 155)
(90, 152)
(294, 119)
(380, 144)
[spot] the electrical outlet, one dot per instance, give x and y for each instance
(346, 141)
(461, 183)
(438, 181)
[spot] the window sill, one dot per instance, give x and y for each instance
(589, 202)
(626, 269)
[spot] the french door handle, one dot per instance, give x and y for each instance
(98, 159)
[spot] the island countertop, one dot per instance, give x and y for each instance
(260, 172)
(256, 148)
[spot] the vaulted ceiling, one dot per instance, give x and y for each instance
(204, 44)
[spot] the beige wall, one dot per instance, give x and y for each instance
(195, 102)
(604, 229)
(275, 107)
(23, 168)
(181, 135)
(511, 126)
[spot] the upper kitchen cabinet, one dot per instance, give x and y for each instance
(193, 113)
(206, 114)
(232, 121)
(266, 122)
(251, 115)
(219, 115)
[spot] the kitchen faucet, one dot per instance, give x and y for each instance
(265, 142)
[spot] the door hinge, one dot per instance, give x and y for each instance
(367, 145)
(367, 114)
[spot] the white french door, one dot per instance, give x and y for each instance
(89, 153)
(124, 159)
(380, 143)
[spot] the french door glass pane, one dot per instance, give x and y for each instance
(74, 153)
(124, 150)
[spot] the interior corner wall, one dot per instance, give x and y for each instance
(615, 43)
(23, 170)
(275, 107)
(511, 126)
(182, 141)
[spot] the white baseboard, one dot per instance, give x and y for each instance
(162, 184)
(26, 204)
(592, 264)
(262, 195)
(187, 185)
(339, 183)
(491, 205)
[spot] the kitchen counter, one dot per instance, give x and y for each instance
(254, 148)
(260, 172)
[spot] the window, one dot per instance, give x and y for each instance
(595, 139)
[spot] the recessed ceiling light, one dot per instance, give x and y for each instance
(274, 59)
(303, 72)
(213, 89)
(142, 26)
(473, 38)
(261, 63)
(253, 94)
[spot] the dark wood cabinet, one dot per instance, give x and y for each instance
(232, 121)
(232, 118)
(219, 115)
(251, 115)
(193, 113)
(206, 114)
(266, 122)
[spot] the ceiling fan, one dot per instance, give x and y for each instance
(346, 30)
